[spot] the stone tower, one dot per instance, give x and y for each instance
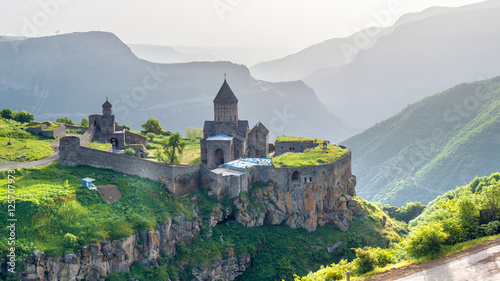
(225, 105)
(107, 108)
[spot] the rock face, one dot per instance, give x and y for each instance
(227, 269)
(96, 261)
(306, 208)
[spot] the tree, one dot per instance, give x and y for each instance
(152, 126)
(7, 114)
(24, 117)
(66, 121)
(194, 133)
(172, 148)
(151, 136)
(84, 122)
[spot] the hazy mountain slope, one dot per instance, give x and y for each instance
(416, 59)
(331, 55)
(165, 54)
(432, 146)
(71, 75)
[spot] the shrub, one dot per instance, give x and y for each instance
(151, 136)
(129, 152)
(366, 260)
(70, 240)
(425, 240)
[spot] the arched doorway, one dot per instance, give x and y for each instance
(219, 157)
(114, 143)
(295, 176)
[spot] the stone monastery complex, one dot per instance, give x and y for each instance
(233, 160)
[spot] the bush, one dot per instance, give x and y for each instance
(129, 152)
(66, 121)
(365, 261)
(70, 240)
(425, 240)
(151, 136)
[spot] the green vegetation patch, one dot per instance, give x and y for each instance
(294, 139)
(315, 156)
(99, 146)
(25, 146)
(53, 127)
(56, 214)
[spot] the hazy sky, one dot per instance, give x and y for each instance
(205, 23)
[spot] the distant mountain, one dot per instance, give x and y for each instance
(384, 71)
(181, 54)
(166, 54)
(416, 59)
(431, 146)
(72, 74)
(333, 54)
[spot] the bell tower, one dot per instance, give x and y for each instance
(225, 105)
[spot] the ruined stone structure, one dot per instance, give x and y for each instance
(293, 147)
(41, 130)
(227, 138)
(107, 131)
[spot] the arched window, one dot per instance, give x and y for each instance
(295, 176)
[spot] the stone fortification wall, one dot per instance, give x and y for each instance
(224, 186)
(57, 133)
(294, 147)
(179, 180)
(332, 174)
(135, 138)
(87, 137)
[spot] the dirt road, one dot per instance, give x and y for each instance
(481, 263)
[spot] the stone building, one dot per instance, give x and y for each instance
(106, 130)
(228, 138)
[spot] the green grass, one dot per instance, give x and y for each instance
(76, 131)
(294, 139)
(25, 146)
(24, 149)
(99, 146)
(190, 156)
(315, 156)
(53, 127)
(50, 202)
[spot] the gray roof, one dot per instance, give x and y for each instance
(261, 127)
(208, 127)
(225, 95)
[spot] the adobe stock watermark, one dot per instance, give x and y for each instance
(365, 37)
(138, 94)
(281, 119)
(31, 26)
(11, 221)
(223, 6)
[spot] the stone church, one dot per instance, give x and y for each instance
(106, 130)
(228, 138)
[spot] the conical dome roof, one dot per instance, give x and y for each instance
(225, 94)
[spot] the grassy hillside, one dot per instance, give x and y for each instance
(25, 146)
(431, 146)
(55, 204)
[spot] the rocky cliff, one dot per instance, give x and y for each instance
(96, 261)
(265, 203)
(306, 208)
